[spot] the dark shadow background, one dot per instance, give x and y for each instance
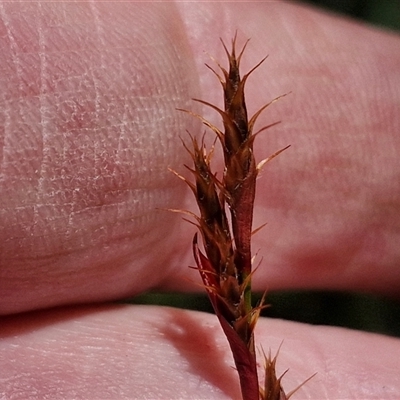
(383, 13)
(353, 310)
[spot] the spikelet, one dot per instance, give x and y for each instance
(226, 264)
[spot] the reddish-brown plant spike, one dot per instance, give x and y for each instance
(226, 265)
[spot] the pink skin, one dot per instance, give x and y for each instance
(87, 129)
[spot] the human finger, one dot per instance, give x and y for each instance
(157, 352)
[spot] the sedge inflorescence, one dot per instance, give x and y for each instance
(225, 264)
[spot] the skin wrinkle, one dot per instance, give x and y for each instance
(6, 109)
(43, 123)
(106, 148)
(100, 37)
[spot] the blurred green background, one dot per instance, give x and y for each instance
(353, 310)
(384, 13)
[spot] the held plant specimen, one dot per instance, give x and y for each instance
(226, 264)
